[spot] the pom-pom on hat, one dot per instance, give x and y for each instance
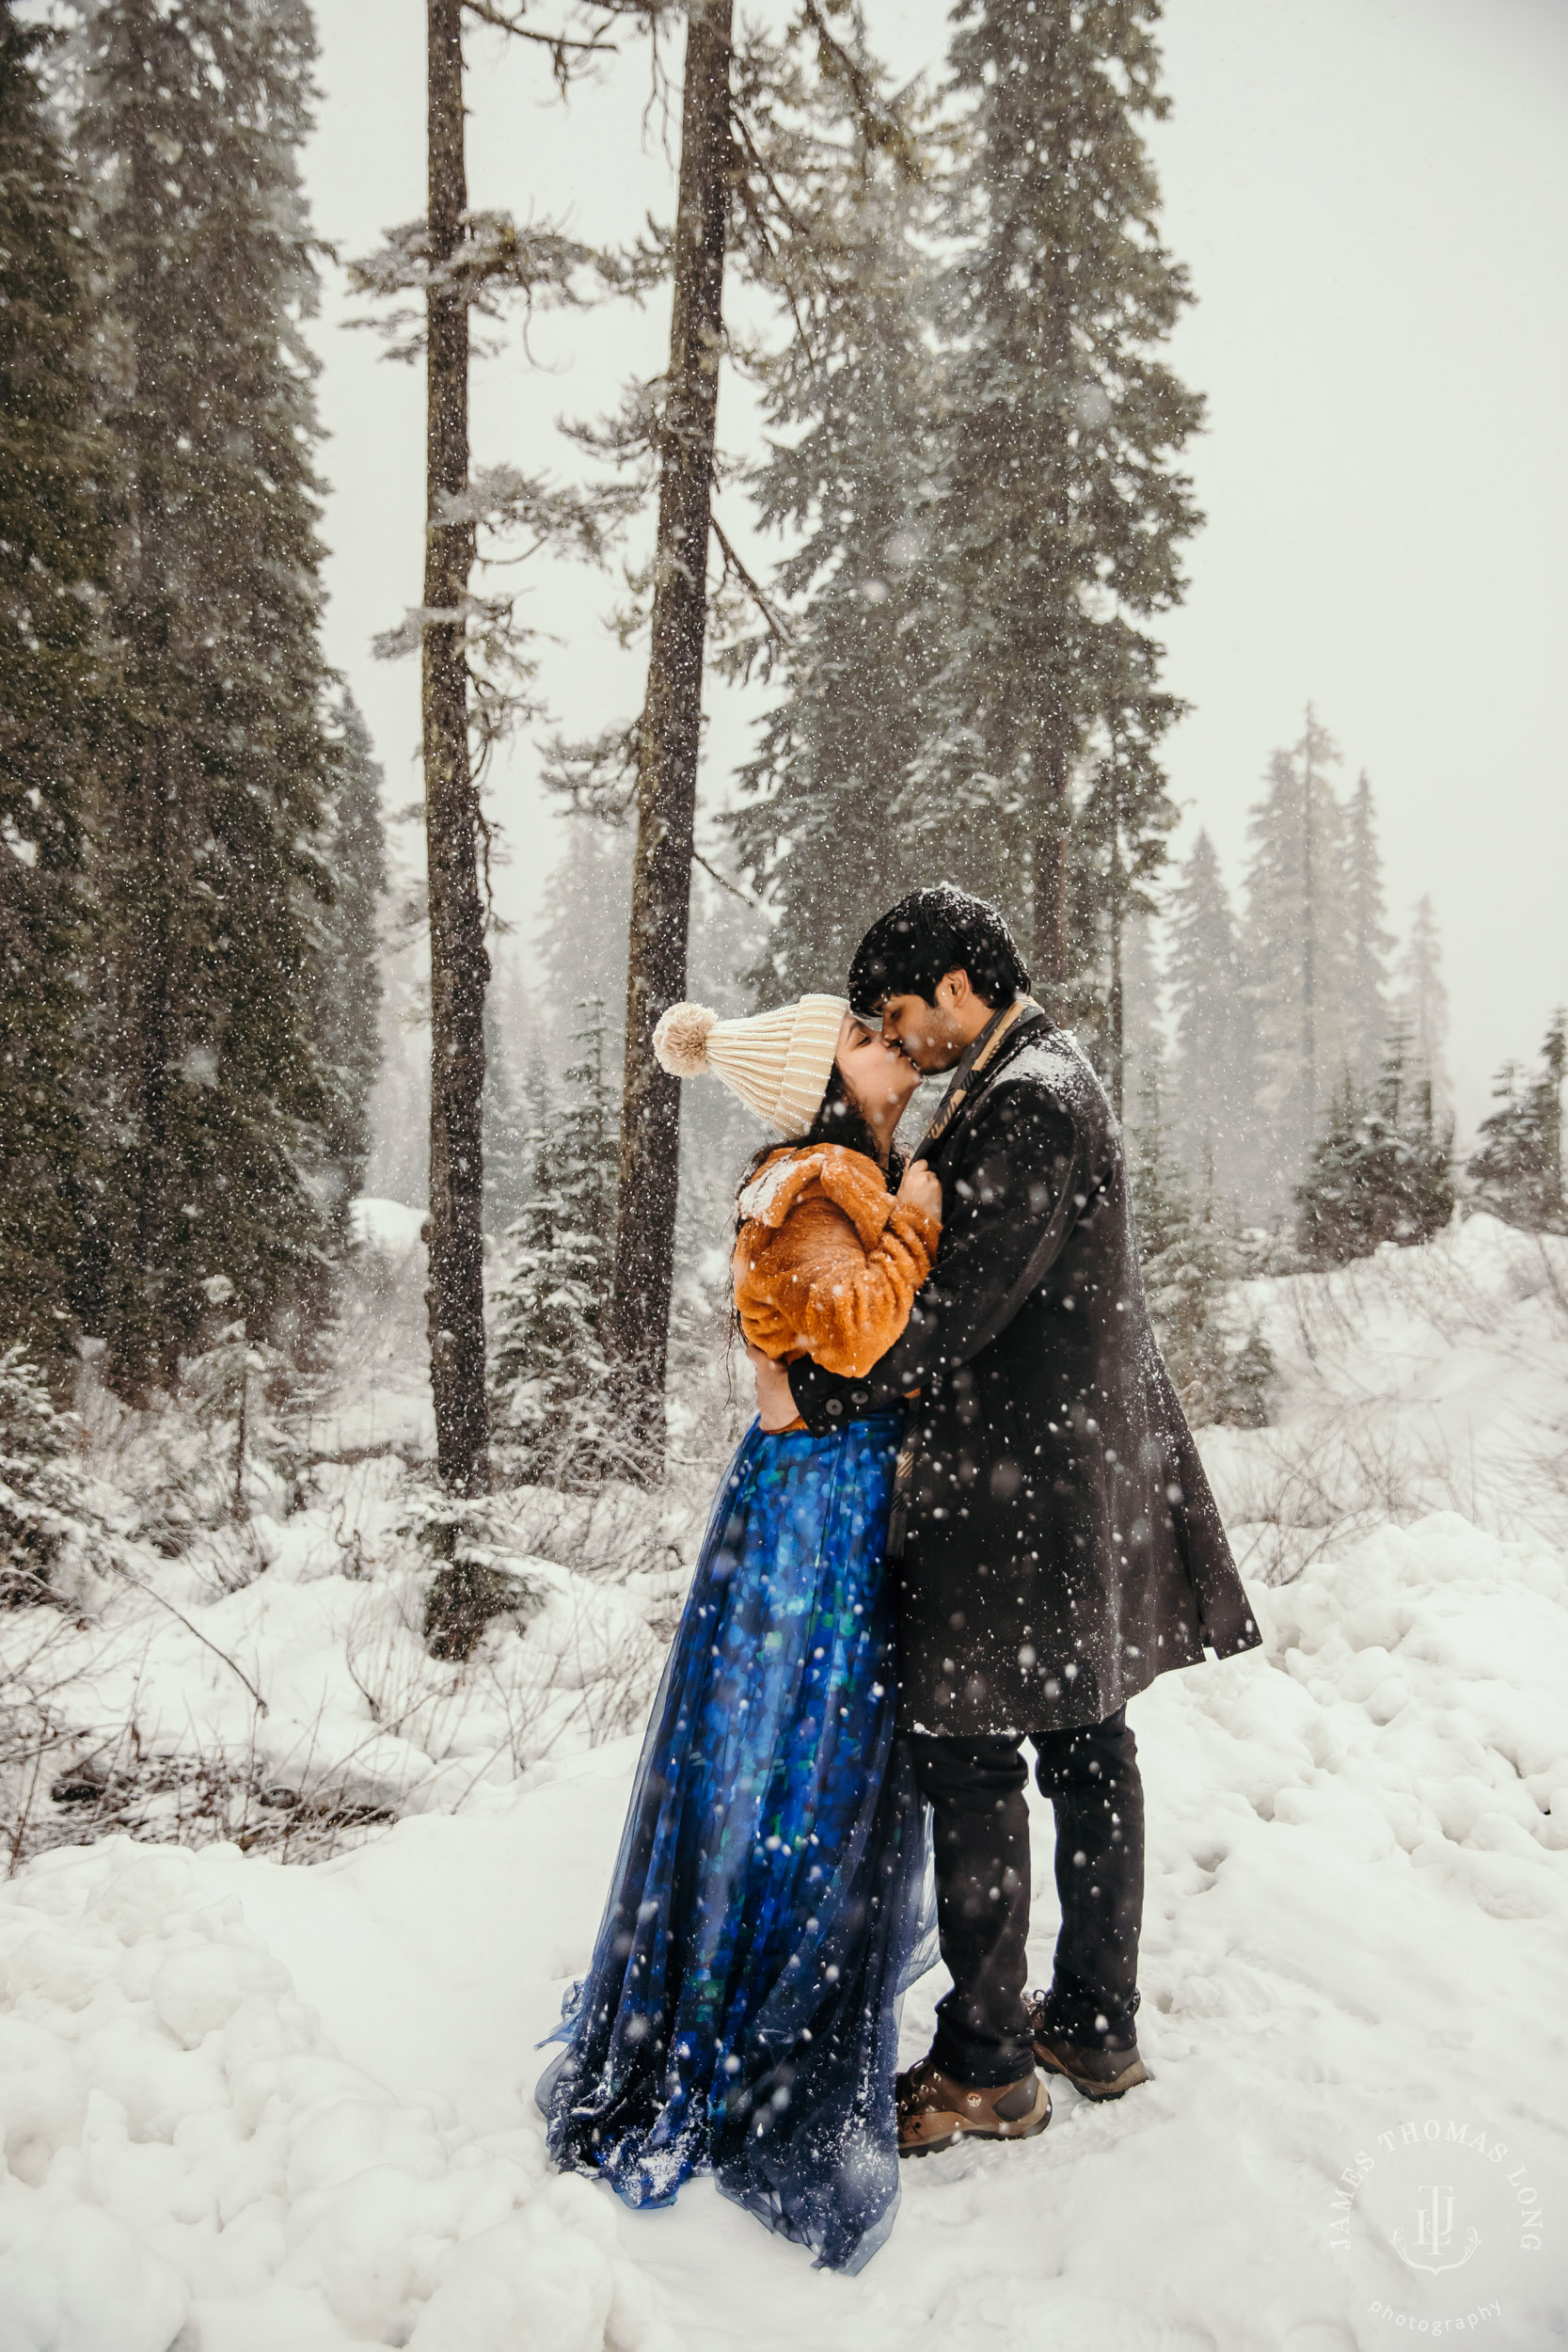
(779, 1063)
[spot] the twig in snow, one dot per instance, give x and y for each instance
(132, 1578)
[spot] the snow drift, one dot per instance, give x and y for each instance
(248, 2105)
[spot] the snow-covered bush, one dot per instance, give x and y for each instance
(243, 1392)
(43, 1503)
(1250, 1376)
(1517, 1166)
(474, 1581)
(1381, 1172)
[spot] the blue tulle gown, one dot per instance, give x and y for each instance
(769, 1903)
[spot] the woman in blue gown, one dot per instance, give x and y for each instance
(769, 1903)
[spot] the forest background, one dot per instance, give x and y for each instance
(1341, 182)
(1283, 1022)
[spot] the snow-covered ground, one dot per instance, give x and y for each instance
(248, 2106)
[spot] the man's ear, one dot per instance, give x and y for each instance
(953, 991)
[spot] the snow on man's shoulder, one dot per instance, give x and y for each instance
(1054, 1061)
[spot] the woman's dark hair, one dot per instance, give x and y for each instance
(907, 951)
(839, 1119)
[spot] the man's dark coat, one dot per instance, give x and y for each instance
(1064, 1547)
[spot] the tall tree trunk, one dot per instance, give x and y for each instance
(150, 998)
(156, 822)
(1117, 1007)
(1052, 956)
(671, 716)
(1052, 963)
(459, 966)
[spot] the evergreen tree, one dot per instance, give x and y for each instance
(399, 1106)
(1118, 845)
(243, 1394)
(1332, 1211)
(1212, 1080)
(836, 822)
(1142, 1021)
(1297, 946)
(580, 944)
(1421, 1005)
(1063, 511)
(1379, 1172)
(552, 1394)
(348, 1028)
(1249, 1382)
(510, 1122)
(1186, 1262)
(1517, 1166)
(44, 1495)
(54, 562)
(212, 811)
(1366, 979)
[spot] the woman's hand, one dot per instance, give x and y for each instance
(776, 1408)
(920, 1189)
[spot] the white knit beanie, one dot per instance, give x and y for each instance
(779, 1063)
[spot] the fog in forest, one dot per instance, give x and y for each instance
(1372, 201)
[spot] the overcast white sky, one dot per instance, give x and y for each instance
(1373, 198)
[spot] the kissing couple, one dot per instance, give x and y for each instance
(969, 1513)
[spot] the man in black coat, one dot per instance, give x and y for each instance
(1061, 1546)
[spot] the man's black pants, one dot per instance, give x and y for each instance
(981, 1820)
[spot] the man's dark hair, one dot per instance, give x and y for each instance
(908, 949)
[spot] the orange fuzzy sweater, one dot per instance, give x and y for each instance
(827, 1262)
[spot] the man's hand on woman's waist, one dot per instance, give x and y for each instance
(776, 1406)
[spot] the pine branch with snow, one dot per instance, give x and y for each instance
(553, 1389)
(1380, 1171)
(1518, 1168)
(43, 1500)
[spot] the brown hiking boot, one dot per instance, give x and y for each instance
(934, 2110)
(1097, 2073)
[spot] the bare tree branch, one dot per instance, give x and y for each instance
(725, 882)
(733, 564)
(879, 124)
(566, 55)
